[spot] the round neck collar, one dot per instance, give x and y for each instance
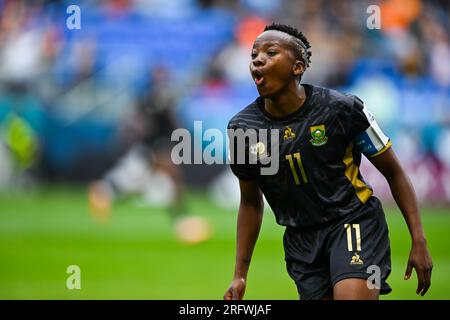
(296, 113)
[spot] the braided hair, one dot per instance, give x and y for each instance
(299, 42)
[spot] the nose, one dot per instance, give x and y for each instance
(258, 61)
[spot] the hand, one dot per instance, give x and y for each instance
(420, 259)
(236, 290)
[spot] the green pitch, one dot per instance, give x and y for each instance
(135, 255)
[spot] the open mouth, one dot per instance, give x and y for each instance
(258, 77)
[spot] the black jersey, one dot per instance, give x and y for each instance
(320, 148)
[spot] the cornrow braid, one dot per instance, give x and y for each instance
(301, 42)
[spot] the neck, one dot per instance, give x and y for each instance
(287, 102)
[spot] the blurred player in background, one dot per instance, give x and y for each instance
(335, 227)
(20, 143)
(147, 169)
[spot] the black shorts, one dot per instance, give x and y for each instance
(319, 257)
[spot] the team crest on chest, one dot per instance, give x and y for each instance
(318, 136)
(288, 133)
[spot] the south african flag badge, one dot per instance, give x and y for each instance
(318, 136)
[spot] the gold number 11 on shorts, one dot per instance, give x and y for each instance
(349, 236)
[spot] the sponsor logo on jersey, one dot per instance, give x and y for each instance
(318, 136)
(288, 133)
(356, 259)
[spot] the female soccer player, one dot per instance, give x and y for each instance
(336, 234)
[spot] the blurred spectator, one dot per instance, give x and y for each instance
(234, 58)
(21, 52)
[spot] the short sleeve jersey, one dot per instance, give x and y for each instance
(319, 153)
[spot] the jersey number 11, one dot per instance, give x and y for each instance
(294, 170)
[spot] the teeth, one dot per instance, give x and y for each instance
(257, 74)
(258, 77)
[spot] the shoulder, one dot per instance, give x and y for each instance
(342, 102)
(248, 117)
(332, 96)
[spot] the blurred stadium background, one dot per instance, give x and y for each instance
(68, 106)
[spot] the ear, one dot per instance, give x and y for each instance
(298, 68)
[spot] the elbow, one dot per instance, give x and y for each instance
(394, 176)
(389, 176)
(256, 204)
(260, 206)
(260, 203)
(392, 171)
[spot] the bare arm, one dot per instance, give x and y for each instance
(405, 197)
(249, 221)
